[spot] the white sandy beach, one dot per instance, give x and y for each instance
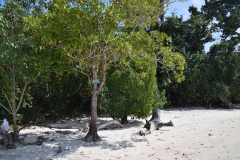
(199, 134)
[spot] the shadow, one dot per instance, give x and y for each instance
(69, 143)
(215, 108)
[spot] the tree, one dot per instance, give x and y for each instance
(188, 38)
(225, 17)
(223, 70)
(210, 77)
(131, 86)
(87, 33)
(17, 62)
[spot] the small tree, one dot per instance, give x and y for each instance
(131, 88)
(17, 64)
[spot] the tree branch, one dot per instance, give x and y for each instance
(103, 73)
(5, 95)
(22, 94)
(6, 108)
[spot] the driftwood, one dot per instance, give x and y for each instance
(113, 122)
(7, 140)
(46, 125)
(154, 123)
(227, 103)
(65, 132)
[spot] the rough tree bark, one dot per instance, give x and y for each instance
(124, 120)
(92, 135)
(154, 123)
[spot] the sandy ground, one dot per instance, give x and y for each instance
(199, 134)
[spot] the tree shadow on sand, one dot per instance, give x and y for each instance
(69, 142)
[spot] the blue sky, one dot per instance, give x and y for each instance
(181, 8)
(1, 1)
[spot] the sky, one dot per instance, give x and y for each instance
(181, 8)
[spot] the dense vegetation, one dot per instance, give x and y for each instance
(67, 58)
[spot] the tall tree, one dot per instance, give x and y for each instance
(223, 57)
(225, 17)
(87, 33)
(188, 38)
(209, 76)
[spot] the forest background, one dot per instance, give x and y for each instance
(41, 72)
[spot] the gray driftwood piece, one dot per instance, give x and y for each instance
(154, 123)
(7, 140)
(227, 103)
(113, 122)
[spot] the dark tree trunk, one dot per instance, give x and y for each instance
(92, 135)
(154, 123)
(15, 128)
(124, 120)
(155, 115)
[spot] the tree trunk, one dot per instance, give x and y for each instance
(15, 128)
(155, 115)
(124, 120)
(92, 135)
(154, 123)
(14, 111)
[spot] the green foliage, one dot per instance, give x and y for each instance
(224, 62)
(61, 96)
(93, 35)
(131, 88)
(160, 99)
(209, 76)
(225, 17)
(17, 62)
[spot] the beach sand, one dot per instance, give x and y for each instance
(198, 134)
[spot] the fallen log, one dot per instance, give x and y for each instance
(154, 123)
(113, 122)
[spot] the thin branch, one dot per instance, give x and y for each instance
(7, 100)
(22, 94)
(6, 108)
(103, 74)
(81, 71)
